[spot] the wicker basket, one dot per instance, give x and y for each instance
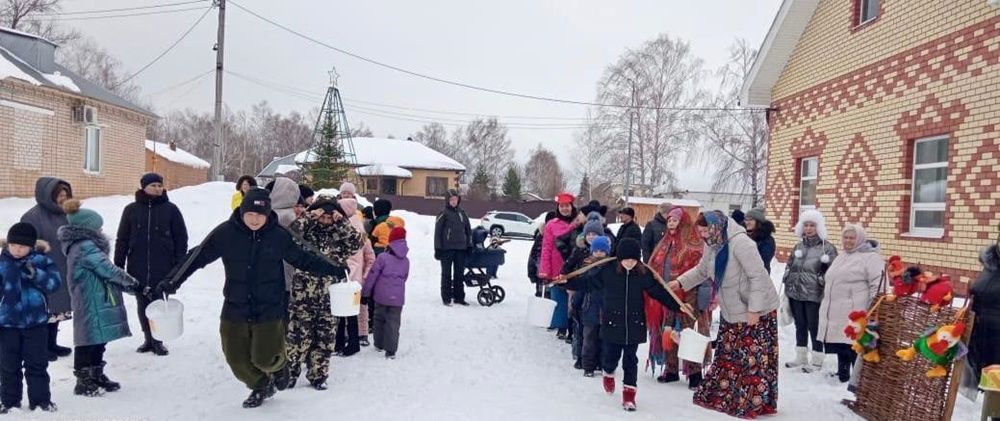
(896, 390)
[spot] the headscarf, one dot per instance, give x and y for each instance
(862, 245)
(718, 240)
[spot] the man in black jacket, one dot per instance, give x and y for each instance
(655, 228)
(452, 241)
(252, 246)
(629, 228)
(152, 239)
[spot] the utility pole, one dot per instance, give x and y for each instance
(628, 163)
(219, 55)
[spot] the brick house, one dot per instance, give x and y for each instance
(886, 112)
(178, 167)
(56, 123)
(393, 167)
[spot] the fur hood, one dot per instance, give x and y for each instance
(41, 246)
(70, 235)
(816, 217)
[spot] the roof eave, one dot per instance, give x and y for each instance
(769, 64)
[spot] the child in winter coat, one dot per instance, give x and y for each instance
(623, 324)
(581, 254)
(96, 287)
(27, 274)
(311, 324)
(385, 287)
(589, 305)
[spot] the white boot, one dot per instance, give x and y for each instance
(801, 358)
(816, 364)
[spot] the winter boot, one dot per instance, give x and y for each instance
(609, 383)
(816, 364)
(103, 381)
(561, 334)
(86, 383)
(45, 406)
(319, 384)
(363, 341)
(146, 347)
(54, 348)
(801, 358)
(5, 409)
(628, 398)
(461, 303)
(588, 373)
(668, 377)
(844, 368)
(578, 365)
(694, 381)
(282, 378)
(257, 396)
(158, 349)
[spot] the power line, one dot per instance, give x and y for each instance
(467, 85)
(122, 9)
(128, 15)
(178, 85)
(171, 47)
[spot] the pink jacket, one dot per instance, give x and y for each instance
(551, 263)
(361, 262)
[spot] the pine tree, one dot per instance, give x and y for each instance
(585, 188)
(512, 184)
(480, 188)
(329, 167)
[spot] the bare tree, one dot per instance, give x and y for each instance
(735, 142)
(31, 16)
(591, 155)
(483, 144)
(434, 136)
(542, 174)
(652, 85)
(94, 63)
(361, 130)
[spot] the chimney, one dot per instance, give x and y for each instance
(172, 145)
(38, 52)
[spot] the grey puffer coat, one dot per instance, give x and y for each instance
(47, 216)
(805, 273)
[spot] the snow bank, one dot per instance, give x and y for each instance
(62, 80)
(9, 69)
(454, 363)
(179, 155)
(397, 152)
(384, 170)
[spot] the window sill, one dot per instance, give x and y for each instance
(93, 173)
(861, 26)
(923, 236)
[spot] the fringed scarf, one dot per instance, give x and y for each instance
(718, 241)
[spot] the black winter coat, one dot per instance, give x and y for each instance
(764, 237)
(623, 321)
(652, 235)
(452, 230)
(533, 256)
(152, 238)
(630, 230)
(254, 289)
(984, 348)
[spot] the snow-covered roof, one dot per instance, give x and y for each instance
(779, 44)
(384, 170)
(179, 155)
(395, 152)
(25, 34)
(685, 203)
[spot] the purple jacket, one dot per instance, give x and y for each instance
(386, 281)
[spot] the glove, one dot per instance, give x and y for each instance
(339, 272)
(366, 301)
(438, 254)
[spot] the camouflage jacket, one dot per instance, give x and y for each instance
(337, 242)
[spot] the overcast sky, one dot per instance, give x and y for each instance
(539, 47)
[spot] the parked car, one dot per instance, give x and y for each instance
(508, 224)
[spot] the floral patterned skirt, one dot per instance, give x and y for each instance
(743, 379)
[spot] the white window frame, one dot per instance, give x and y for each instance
(802, 177)
(914, 206)
(88, 161)
(861, 12)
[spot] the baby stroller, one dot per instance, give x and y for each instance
(481, 266)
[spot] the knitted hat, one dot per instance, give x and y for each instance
(627, 211)
(601, 243)
(757, 214)
(257, 200)
(629, 249)
(348, 187)
(382, 207)
(593, 225)
(150, 178)
(676, 213)
(398, 233)
(565, 198)
(80, 217)
(22, 233)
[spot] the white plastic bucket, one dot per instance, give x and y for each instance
(693, 345)
(540, 311)
(345, 299)
(166, 319)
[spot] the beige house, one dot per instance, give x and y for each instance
(56, 123)
(388, 167)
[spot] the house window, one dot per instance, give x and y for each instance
(437, 186)
(388, 185)
(930, 186)
(807, 184)
(92, 149)
(371, 185)
(869, 11)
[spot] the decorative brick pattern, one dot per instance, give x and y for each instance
(922, 69)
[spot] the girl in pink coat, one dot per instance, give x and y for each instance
(551, 263)
(359, 264)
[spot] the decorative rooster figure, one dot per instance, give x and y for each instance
(905, 280)
(937, 292)
(864, 333)
(940, 346)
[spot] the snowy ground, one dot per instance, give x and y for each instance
(454, 362)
